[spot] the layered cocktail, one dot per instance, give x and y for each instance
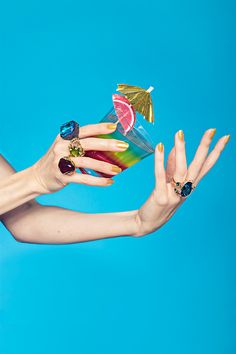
(130, 130)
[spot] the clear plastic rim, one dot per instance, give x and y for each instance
(148, 142)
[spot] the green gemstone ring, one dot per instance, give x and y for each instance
(76, 148)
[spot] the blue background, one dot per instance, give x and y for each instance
(170, 292)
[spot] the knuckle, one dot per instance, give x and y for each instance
(103, 166)
(82, 178)
(160, 175)
(55, 163)
(98, 181)
(58, 138)
(108, 143)
(102, 127)
(87, 142)
(58, 173)
(103, 181)
(181, 147)
(175, 199)
(57, 149)
(196, 161)
(92, 163)
(208, 163)
(82, 161)
(206, 140)
(163, 200)
(159, 158)
(219, 149)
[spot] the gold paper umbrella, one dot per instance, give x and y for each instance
(140, 99)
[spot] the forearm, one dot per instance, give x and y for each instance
(36, 223)
(55, 225)
(16, 189)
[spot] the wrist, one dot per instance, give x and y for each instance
(137, 230)
(33, 183)
(143, 227)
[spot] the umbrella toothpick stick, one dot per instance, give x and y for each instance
(151, 88)
(140, 99)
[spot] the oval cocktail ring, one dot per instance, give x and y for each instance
(183, 189)
(66, 166)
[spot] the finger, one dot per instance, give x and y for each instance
(97, 165)
(180, 157)
(170, 165)
(89, 180)
(213, 157)
(103, 144)
(160, 173)
(93, 129)
(201, 155)
(96, 129)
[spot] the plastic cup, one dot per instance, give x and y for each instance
(140, 145)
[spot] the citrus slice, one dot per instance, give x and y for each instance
(125, 112)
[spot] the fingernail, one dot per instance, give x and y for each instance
(160, 147)
(110, 181)
(111, 126)
(116, 168)
(212, 133)
(227, 139)
(181, 135)
(122, 145)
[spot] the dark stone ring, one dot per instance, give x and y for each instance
(66, 166)
(69, 130)
(183, 189)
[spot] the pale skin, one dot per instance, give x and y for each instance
(29, 221)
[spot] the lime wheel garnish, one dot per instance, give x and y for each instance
(125, 112)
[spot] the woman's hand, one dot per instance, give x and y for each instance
(50, 179)
(164, 201)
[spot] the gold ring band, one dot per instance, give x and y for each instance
(76, 148)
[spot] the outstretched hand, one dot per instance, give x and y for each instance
(164, 200)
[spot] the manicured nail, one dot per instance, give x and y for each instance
(111, 126)
(160, 147)
(181, 135)
(227, 139)
(122, 145)
(116, 168)
(212, 133)
(110, 181)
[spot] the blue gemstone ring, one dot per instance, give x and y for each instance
(69, 130)
(183, 189)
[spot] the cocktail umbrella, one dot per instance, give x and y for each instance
(140, 99)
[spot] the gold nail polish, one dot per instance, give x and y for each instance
(227, 139)
(181, 135)
(122, 145)
(111, 126)
(160, 147)
(110, 181)
(212, 133)
(116, 169)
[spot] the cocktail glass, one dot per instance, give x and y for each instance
(140, 145)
